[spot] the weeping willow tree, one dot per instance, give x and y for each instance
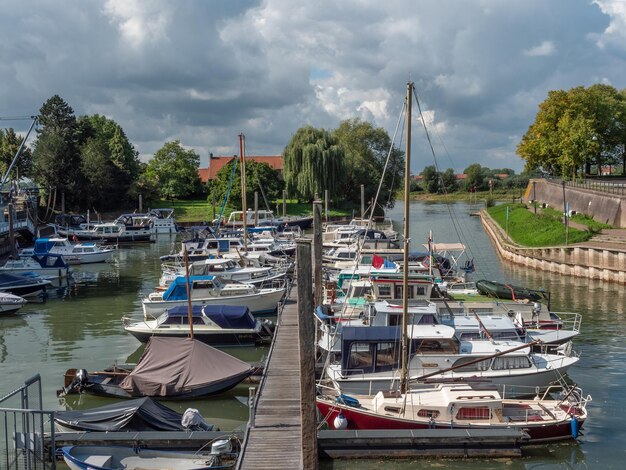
(313, 162)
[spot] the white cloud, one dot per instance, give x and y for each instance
(615, 33)
(546, 48)
(139, 22)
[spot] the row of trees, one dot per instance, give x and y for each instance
(477, 178)
(91, 162)
(575, 130)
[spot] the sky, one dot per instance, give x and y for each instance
(204, 71)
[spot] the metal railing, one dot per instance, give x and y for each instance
(23, 428)
(618, 189)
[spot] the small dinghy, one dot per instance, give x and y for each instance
(221, 455)
(507, 291)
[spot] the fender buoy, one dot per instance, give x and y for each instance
(340, 422)
(574, 427)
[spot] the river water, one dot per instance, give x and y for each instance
(79, 326)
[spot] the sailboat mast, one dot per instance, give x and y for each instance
(242, 147)
(405, 270)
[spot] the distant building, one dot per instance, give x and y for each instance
(216, 163)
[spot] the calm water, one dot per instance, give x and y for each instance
(80, 326)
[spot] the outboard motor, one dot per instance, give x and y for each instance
(78, 383)
(219, 449)
(193, 420)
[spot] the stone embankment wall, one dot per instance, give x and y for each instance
(602, 206)
(607, 264)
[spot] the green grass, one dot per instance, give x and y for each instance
(543, 229)
(480, 197)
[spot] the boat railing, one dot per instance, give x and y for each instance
(570, 320)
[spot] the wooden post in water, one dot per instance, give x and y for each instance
(307, 354)
(11, 231)
(256, 208)
(187, 282)
(317, 253)
(326, 204)
(284, 203)
(63, 202)
(140, 204)
(362, 201)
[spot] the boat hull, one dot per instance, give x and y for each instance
(363, 419)
(259, 304)
(214, 338)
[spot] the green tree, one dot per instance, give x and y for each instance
(56, 158)
(258, 175)
(449, 183)
(314, 162)
(101, 175)
(475, 177)
(431, 179)
(174, 171)
(366, 148)
(576, 129)
(9, 144)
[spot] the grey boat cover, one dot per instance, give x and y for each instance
(175, 366)
(141, 414)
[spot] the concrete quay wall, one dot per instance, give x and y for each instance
(607, 264)
(603, 207)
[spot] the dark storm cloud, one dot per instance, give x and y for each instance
(204, 71)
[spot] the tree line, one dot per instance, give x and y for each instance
(475, 178)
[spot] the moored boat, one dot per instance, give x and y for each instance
(169, 368)
(73, 253)
(211, 290)
(85, 457)
(501, 290)
(10, 303)
(217, 325)
(444, 406)
(24, 285)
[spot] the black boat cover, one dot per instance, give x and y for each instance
(141, 414)
(171, 367)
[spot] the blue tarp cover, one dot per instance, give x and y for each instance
(178, 290)
(226, 316)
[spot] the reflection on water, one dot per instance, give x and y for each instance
(80, 326)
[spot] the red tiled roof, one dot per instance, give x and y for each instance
(217, 163)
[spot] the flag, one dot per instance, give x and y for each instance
(377, 261)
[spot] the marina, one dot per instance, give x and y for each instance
(76, 327)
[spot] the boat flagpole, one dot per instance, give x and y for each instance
(405, 272)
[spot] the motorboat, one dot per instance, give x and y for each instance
(158, 221)
(212, 290)
(169, 368)
(48, 266)
(222, 454)
(557, 414)
(140, 414)
(369, 360)
(24, 285)
(217, 325)
(73, 253)
(10, 303)
(114, 233)
(227, 269)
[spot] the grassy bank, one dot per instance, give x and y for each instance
(535, 230)
(463, 196)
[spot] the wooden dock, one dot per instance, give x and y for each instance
(273, 438)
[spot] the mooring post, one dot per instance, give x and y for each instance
(362, 201)
(11, 231)
(307, 354)
(317, 253)
(251, 399)
(326, 204)
(284, 203)
(140, 204)
(256, 208)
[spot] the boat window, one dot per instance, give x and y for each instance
(427, 319)
(438, 346)
(395, 319)
(513, 362)
(360, 359)
(479, 366)
(470, 413)
(384, 291)
(424, 413)
(387, 356)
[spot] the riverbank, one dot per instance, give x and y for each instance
(594, 259)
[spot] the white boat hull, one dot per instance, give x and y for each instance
(258, 303)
